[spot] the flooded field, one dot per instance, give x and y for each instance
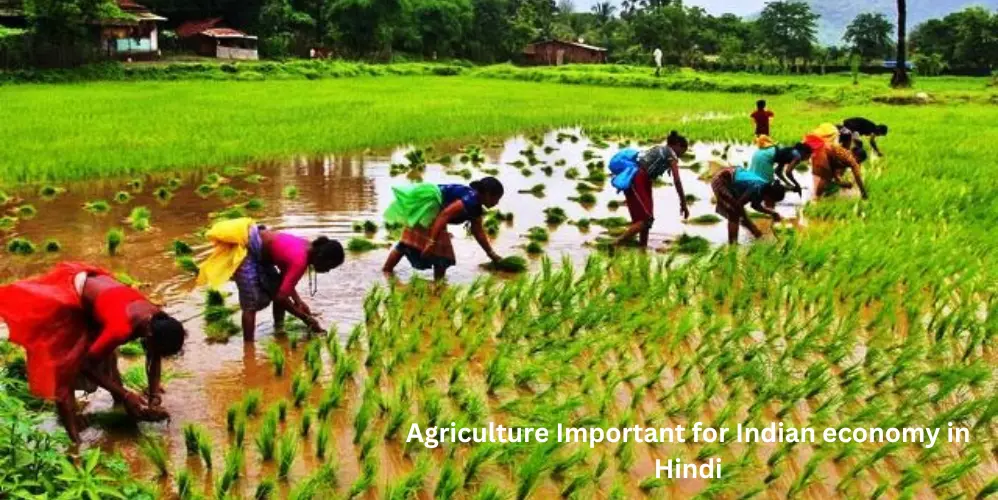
(335, 192)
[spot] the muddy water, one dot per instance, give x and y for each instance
(334, 192)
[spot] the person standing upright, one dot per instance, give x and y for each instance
(761, 116)
(658, 61)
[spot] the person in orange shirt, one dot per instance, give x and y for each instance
(71, 322)
(761, 116)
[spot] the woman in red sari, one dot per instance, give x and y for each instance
(71, 322)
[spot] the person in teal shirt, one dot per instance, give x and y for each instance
(734, 188)
(773, 162)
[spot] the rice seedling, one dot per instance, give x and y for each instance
(572, 173)
(163, 194)
(49, 193)
(139, 218)
(122, 197)
(187, 264)
(534, 248)
(265, 490)
(251, 403)
(266, 437)
(254, 178)
(135, 185)
(240, 432)
(555, 216)
(512, 264)
(300, 389)
(276, 356)
(5, 198)
(192, 437)
(305, 426)
(287, 451)
(449, 481)
(205, 449)
(20, 246)
(227, 193)
(322, 441)
(650, 484)
(205, 190)
(361, 245)
(282, 410)
(26, 211)
(52, 245)
(584, 199)
(290, 192)
(691, 245)
(537, 190)
(155, 452)
(7, 223)
(547, 170)
(231, 414)
(131, 349)
(97, 207)
(185, 485)
(255, 205)
(704, 220)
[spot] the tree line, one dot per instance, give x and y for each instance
(780, 38)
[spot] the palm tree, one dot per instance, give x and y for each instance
(603, 11)
(900, 78)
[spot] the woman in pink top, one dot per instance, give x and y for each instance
(274, 265)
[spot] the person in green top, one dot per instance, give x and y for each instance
(773, 163)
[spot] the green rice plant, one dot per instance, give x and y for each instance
(192, 436)
(266, 437)
(185, 485)
(231, 414)
(139, 218)
(155, 452)
(305, 425)
(266, 489)
(538, 234)
(650, 484)
(300, 389)
(254, 178)
(255, 205)
(240, 432)
(227, 193)
(97, 207)
(478, 456)
(282, 410)
(548, 171)
(205, 190)
(135, 185)
(20, 246)
(397, 416)
(988, 490)
(704, 220)
(691, 245)
(122, 197)
(113, 240)
(585, 199)
(204, 449)
(360, 245)
(534, 248)
(490, 492)
(537, 190)
(180, 248)
(331, 398)
(555, 215)
(187, 264)
(7, 223)
(131, 349)
(5, 198)
(26, 211)
(512, 264)
(613, 205)
(276, 355)
(50, 192)
(290, 192)
(162, 194)
(448, 482)
(287, 451)
(322, 441)
(572, 173)
(251, 402)
(215, 179)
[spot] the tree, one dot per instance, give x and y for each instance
(976, 38)
(788, 29)
(565, 7)
(280, 23)
(900, 78)
(441, 25)
(603, 12)
(870, 35)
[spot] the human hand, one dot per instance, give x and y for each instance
(314, 326)
(305, 309)
(683, 209)
(494, 257)
(776, 217)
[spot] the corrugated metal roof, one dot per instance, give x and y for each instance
(574, 44)
(225, 33)
(191, 28)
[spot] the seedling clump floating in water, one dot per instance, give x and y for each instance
(290, 192)
(513, 264)
(691, 244)
(587, 199)
(113, 240)
(555, 215)
(7, 223)
(52, 246)
(97, 207)
(360, 245)
(705, 219)
(140, 219)
(20, 246)
(26, 211)
(50, 192)
(122, 197)
(536, 190)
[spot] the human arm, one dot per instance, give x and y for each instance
(854, 166)
(154, 372)
(683, 209)
(301, 303)
(478, 231)
(135, 404)
(759, 207)
(873, 145)
(786, 174)
(297, 310)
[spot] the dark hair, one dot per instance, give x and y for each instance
(774, 191)
(804, 150)
(327, 254)
(167, 335)
(488, 186)
(675, 139)
(881, 130)
(761, 104)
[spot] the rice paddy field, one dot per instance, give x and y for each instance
(852, 314)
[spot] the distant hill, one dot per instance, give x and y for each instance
(836, 16)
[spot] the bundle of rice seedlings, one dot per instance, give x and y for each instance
(205, 190)
(538, 234)
(555, 215)
(276, 356)
(5, 198)
(282, 410)
(155, 452)
(322, 441)
(188, 264)
(135, 185)
(534, 248)
(572, 173)
(50, 192)
(139, 218)
(360, 245)
(114, 238)
(705, 219)
(97, 207)
(7, 223)
(536, 190)
(585, 199)
(266, 489)
(131, 349)
(192, 436)
(162, 194)
(122, 197)
(231, 414)
(255, 205)
(26, 211)
(52, 245)
(691, 245)
(251, 403)
(287, 451)
(20, 246)
(548, 171)
(290, 192)
(204, 449)
(240, 432)
(266, 437)
(512, 264)
(254, 178)
(305, 426)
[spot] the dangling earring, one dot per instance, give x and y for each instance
(313, 282)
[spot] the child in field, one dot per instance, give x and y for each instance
(772, 162)
(71, 322)
(266, 266)
(761, 117)
(426, 209)
(733, 188)
(651, 164)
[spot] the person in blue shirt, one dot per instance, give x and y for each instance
(426, 209)
(772, 163)
(734, 188)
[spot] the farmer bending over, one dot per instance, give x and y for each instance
(853, 130)
(733, 188)
(829, 161)
(644, 168)
(426, 209)
(772, 162)
(71, 322)
(267, 266)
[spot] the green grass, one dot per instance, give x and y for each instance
(355, 113)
